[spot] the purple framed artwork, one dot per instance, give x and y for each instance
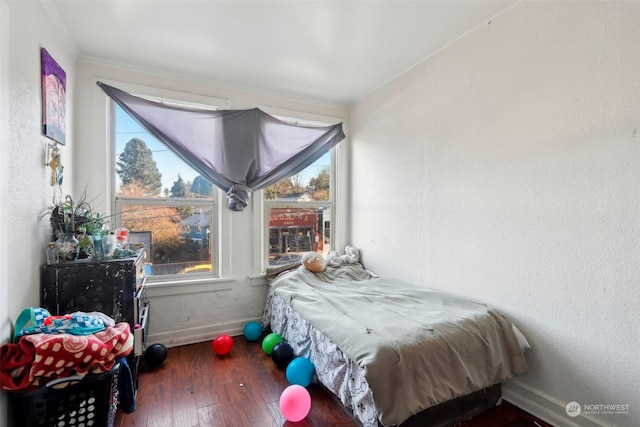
(54, 98)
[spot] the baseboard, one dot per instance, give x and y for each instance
(198, 334)
(543, 406)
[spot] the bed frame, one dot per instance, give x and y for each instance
(453, 411)
(446, 414)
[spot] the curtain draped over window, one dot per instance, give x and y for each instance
(239, 151)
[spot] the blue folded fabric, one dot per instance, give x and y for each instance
(38, 320)
(126, 390)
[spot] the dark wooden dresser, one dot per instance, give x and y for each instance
(114, 287)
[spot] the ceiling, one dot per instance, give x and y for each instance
(333, 52)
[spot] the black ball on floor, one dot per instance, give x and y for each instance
(155, 354)
(282, 354)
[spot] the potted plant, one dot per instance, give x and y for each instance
(75, 225)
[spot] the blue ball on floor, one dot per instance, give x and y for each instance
(252, 331)
(300, 371)
(155, 355)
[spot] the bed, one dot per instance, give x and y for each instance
(389, 350)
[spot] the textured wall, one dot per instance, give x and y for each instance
(505, 168)
(25, 27)
(27, 186)
(5, 325)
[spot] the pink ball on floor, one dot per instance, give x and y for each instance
(295, 403)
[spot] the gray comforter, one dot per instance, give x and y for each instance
(418, 347)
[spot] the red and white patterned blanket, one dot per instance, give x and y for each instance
(39, 358)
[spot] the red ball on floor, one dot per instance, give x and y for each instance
(222, 344)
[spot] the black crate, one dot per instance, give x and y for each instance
(90, 401)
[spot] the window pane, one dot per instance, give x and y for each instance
(296, 230)
(155, 192)
(311, 184)
(176, 237)
(146, 167)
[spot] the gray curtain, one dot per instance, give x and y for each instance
(237, 150)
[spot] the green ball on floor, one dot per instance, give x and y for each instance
(270, 341)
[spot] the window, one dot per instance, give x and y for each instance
(299, 210)
(299, 213)
(160, 197)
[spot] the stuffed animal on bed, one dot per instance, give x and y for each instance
(314, 262)
(351, 256)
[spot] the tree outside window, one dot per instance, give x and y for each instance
(158, 193)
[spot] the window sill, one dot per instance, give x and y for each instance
(258, 279)
(163, 288)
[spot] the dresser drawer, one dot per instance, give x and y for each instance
(140, 331)
(139, 300)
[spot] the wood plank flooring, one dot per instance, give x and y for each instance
(194, 387)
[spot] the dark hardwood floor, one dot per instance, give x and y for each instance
(194, 387)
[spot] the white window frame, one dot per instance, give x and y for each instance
(220, 260)
(337, 202)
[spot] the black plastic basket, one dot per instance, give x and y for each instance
(89, 401)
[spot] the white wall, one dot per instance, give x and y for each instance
(506, 168)
(5, 326)
(25, 27)
(182, 314)
(28, 190)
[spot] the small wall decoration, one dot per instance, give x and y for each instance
(54, 97)
(54, 161)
